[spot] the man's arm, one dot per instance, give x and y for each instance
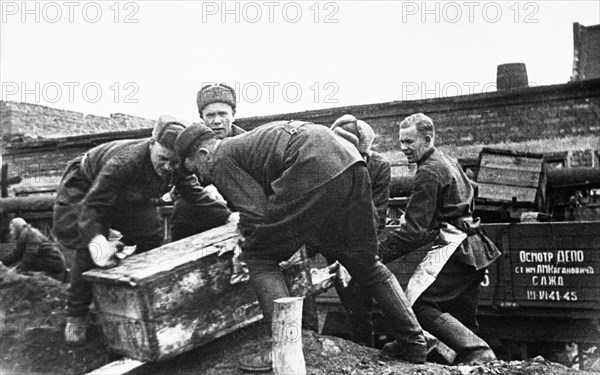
(243, 192)
(189, 187)
(29, 255)
(102, 195)
(380, 182)
(415, 231)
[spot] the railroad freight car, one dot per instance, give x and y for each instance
(544, 291)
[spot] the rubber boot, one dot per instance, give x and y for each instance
(469, 347)
(361, 326)
(410, 344)
(268, 287)
(358, 303)
(75, 330)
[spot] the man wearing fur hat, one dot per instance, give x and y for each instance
(34, 251)
(114, 185)
(296, 183)
(216, 106)
(439, 217)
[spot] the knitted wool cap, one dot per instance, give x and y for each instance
(357, 132)
(18, 225)
(167, 129)
(189, 137)
(220, 93)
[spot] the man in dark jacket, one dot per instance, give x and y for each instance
(216, 106)
(356, 301)
(296, 183)
(34, 252)
(439, 217)
(115, 185)
(361, 135)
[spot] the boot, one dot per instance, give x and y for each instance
(260, 362)
(268, 287)
(410, 344)
(469, 347)
(75, 330)
(361, 326)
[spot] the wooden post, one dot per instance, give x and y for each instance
(288, 357)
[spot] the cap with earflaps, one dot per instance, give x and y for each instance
(190, 136)
(218, 93)
(167, 129)
(357, 132)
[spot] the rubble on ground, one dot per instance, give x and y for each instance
(32, 321)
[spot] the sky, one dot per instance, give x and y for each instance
(147, 58)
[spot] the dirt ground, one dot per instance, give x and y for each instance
(31, 340)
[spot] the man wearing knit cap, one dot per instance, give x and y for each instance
(439, 217)
(356, 301)
(114, 185)
(296, 183)
(361, 135)
(216, 106)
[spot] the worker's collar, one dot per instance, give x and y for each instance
(426, 156)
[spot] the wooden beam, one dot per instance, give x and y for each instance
(120, 367)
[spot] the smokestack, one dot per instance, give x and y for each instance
(511, 76)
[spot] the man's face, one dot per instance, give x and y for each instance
(164, 160)
(413, 144)
(219, 118)
(199, 164)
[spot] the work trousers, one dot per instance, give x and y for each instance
(335, 219)
(454, 291)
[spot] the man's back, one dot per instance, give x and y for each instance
(287, 159)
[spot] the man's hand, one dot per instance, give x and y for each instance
(102, 252)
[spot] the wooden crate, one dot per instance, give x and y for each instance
(507, 176)
(169, 300)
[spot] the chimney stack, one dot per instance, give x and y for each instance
(511, 76)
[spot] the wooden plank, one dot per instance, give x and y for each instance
(152, 264)
(556, 229)
(120, 367)
(511, 162)
(512, 177)
(504, 193)
(555, 242)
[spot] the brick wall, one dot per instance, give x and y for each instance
(517, 115)
(37, 121)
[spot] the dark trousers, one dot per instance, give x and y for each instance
(455, 291)
(140, 226)
(336, 220)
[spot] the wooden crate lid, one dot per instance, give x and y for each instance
(504, 175)
(143, 267)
